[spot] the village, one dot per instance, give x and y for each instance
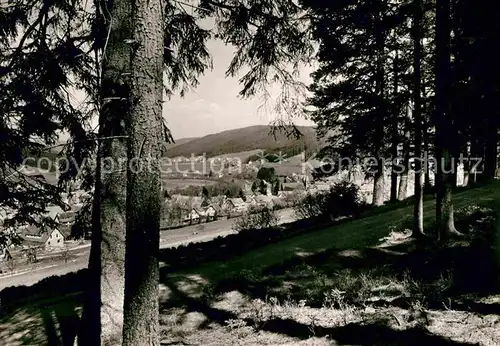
(285, 185)
(56, 229)
(186, 210)
(184, 204)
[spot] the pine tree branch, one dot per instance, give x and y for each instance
(85, 140)
(20, 47)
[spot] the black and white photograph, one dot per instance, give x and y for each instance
(249, 172)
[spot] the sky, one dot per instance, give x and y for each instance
(214, 106)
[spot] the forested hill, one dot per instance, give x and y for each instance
(246, 139)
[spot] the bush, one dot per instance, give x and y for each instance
(343, 199)
(311, 206)
(292, 199)
(256, 218)
(268, 174)
(172, 214)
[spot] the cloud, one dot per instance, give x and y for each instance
(215, 107)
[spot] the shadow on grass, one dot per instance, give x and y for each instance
(179, 298)
(52, 322)
(61, 326)
(360, 334)
(423, 272)
(376, 333)
(42, 314)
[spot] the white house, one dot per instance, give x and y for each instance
(238, 204)
(52, 239)
(210, 211)
(193, 216)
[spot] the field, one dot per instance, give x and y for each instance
(242, 155)
(358, 282)
(204, 167)
(180, 183)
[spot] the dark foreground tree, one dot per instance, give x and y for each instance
(418, 210)
(443, 120)
(146, 136)
(103, 313)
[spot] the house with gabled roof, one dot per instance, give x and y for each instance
(50, 239)
(219, 212)
(227, 205)
(192, 216)
(67, 217)
(210, 212)
(250, 199)
(237, 205)
(264, 201)
(200, 211)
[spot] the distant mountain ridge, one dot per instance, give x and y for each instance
(245, 139)
(180, 141)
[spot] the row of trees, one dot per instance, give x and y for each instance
(400, 78)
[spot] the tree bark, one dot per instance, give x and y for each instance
(467, 167)
(444, 123)
(426, 168)
(403, 179)
(418, 207)
(379, 184)
(379, 178)
(395, 135)
(403, 182)
(103, 310)
(141, 315)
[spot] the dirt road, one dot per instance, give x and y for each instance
(169, 238)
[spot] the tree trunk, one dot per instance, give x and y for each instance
(403, 182)
(467, 167)
(141, 315)
(103, 311)
(490, 152)
(418, 207)
(395, 135)
(379, 178)
(444, 124)
(475, 166)
(425, 152)
(379, 184)
(403, 179)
